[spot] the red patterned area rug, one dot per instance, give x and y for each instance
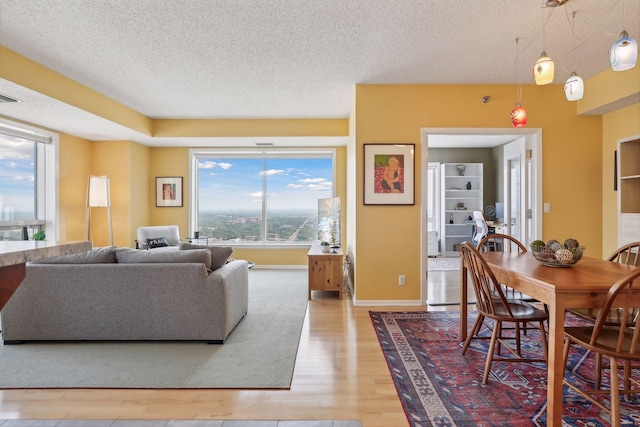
(438, 386)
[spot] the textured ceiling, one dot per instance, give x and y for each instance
(291, 58)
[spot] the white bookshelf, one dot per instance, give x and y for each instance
(458, 203)
(629, 192)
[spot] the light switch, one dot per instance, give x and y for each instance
(547, 207)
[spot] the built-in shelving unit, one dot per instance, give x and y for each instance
(629, 192)
(461, 195)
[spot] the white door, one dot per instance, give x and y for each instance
(520, 172)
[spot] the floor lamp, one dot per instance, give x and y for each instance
(98, 196)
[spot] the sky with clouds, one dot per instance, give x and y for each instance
(16, 178)
(237, 183)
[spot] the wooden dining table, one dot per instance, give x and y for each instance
(584, 284)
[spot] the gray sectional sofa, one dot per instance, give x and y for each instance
(128, 294)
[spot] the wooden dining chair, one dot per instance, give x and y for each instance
(502, 243)
(616, 342)
(627, 254)
(493, 305)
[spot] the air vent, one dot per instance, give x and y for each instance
(5, 98)
(264, 144)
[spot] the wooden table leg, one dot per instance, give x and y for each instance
(10, 278)
(463, 299)
(555, 365)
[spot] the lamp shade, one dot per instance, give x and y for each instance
(543, 70)
(624, 53)
(98, 192)
(574, 88)
(518, 116)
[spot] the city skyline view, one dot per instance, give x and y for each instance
(236, 184)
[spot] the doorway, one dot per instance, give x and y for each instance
(524, 207)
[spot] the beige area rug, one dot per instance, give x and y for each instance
(259, 353)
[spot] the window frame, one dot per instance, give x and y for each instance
(46, 175)
(258, 153)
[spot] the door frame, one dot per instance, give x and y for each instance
(533, 142)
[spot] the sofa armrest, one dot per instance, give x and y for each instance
(234, 280)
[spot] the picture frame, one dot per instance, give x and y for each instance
(389, 174)
(168, 191)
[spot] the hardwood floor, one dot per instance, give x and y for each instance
(340, 373)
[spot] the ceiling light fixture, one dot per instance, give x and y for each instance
(555, 3)
(623, 53)
(574, 86)
(543, 68)
(518, 114)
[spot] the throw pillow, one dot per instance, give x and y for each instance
(219, 254)
(104, 255)
(132, 256)
(157, 242)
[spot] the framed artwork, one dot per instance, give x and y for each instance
(168, 191)
(389, 174)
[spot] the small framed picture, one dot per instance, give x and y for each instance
(388, 174)
(168, 191)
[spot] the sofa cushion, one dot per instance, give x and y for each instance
(104, 255)
(133, 256)
(157, 242)
(219, 254)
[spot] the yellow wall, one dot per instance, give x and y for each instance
(621, 124)
(74, 167)
(169, 162)
(388, 238)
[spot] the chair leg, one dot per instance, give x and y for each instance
(598, 371)
(518, 342)
(494, 337)
(565, 355)
(615, 393)
(545, 346)
(473, 332)
(627, 378)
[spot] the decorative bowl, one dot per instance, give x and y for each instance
(562, 257)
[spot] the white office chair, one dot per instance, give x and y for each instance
(481, 228)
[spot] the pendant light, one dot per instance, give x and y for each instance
(574, 88)
(543, 68)
(623, 53)
(518, 114)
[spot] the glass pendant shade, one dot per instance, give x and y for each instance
(574, 88)
(543, 70)
(518, 116)
(623, 53)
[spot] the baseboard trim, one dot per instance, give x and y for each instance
(388, 303)
(280, 267)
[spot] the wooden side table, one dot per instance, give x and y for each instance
(325, 270)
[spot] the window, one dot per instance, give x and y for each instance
(259, 197)
(27, 181)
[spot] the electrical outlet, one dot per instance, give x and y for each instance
(401, 280)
